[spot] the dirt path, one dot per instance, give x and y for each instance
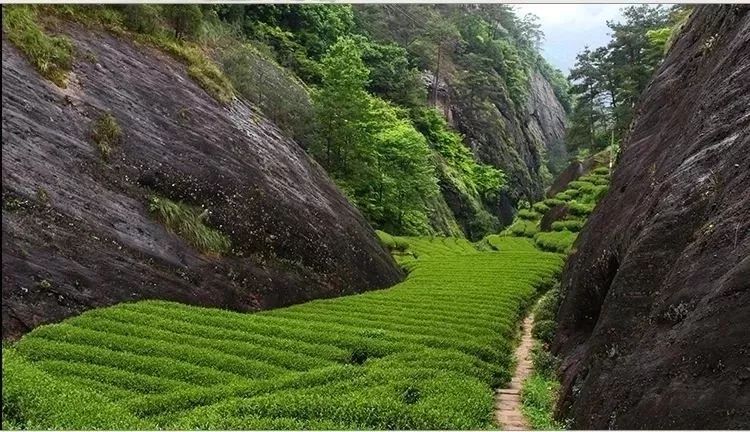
(508, 413)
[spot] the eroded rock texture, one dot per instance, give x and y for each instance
(654, 321)
(516, 140)
(77, 232)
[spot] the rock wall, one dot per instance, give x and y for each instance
(76, 230)
(546, 120)
(653, 326)
(520, 141)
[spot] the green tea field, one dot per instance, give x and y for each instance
(424, 354)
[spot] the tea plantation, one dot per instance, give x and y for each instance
(423, 354)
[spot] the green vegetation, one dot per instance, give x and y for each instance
(170, 28)
(52, 56)
(552, 202)
(538, 396)
(539, 392)
(555, 241)
(346, 82)
(579, 200)
(200, 67)
(189, 223)
(523, 228)
(106, 134)
(572, 225)
(424, 354)
(607, 82)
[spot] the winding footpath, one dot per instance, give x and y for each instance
(508, 413)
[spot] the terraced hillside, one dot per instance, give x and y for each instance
(554, 223)
(423, 354)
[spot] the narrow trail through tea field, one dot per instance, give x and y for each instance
(508, 414)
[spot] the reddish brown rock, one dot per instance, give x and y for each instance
(76, 230)
(654, 321)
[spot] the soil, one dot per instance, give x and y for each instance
(653, 329)
(76, 229)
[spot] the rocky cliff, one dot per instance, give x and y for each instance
(519, 140)
(516, 140)
(653, 324)
(77, 230)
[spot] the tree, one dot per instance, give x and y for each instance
(341, 104)
(400, 175)
(608, 81)
(185, 20)
(391, 75)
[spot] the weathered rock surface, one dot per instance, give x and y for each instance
(77, 232)
(518, 141)
(654, 320)
(546, 120)
(515, 140)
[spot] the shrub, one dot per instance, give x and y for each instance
(393, 243)
(580, 209)
(545, 363)
(539, 392)
(538, 397)
(601, 171)
(600, 181)
(423, 354)
(572, 193)
(583, 187)
(32, 399)
(555, 241)
(553, 202)
(572, 225)
(189, 223)
(563, 196)
(528, 214)
(600, 191)
(524, 228)
(106, 134)
(544, 330)
(52, 56)
(547, 307)
(540, 207)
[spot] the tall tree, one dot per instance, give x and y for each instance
(341, 104)
(608, 81)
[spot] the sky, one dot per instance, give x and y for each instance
(568, 28)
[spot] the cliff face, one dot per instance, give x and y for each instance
(546, 120)
(653, 325)
(515, 140)
(77, 232)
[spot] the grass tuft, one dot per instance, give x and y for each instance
(106, 134)
(204, 71)
(52, 56)
(189, 223)
(538, 396)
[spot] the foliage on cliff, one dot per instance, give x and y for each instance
(347, 84)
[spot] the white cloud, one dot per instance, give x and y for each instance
(568, 28)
